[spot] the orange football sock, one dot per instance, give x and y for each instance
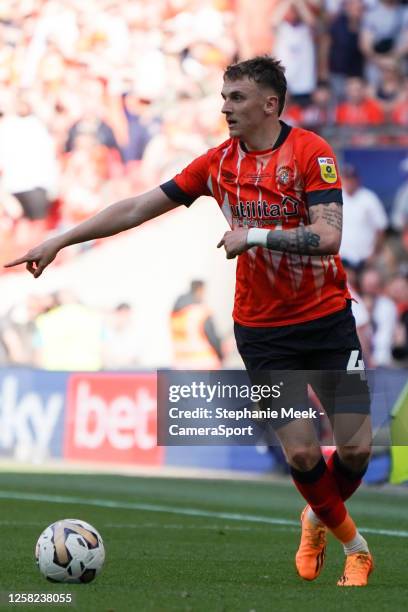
(346, 531)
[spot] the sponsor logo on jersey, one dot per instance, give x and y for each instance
(263, 210)
(284, 175)
(328, 170)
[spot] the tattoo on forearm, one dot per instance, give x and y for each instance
(299, 240)
(333, 217)
(305, 241)
(331, 213)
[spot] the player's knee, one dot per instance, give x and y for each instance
(304, 458)
(355, 457)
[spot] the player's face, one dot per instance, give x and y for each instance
(246, 107)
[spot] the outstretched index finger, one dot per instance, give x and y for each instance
(17, 262)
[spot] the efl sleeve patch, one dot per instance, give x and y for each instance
(328, 170)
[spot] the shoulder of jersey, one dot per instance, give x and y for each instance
(307, 137)
(219, 148)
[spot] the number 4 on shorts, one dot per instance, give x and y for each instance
(355, 364)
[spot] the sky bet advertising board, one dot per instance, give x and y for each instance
(112, 418)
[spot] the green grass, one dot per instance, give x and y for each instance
(163, 560)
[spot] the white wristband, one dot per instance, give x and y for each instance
(257, 236)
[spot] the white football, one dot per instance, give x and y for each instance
(70, 551)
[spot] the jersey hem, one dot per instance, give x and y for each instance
(291, 321)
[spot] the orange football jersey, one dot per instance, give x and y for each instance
(272, 189)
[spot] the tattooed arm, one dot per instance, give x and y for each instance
(321, 237)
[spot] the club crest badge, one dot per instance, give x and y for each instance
(284, 175)
(328, 170)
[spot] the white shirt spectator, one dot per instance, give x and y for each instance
(399, 215)
(359, 309)
(363, 217)
(27, 155)
(333, 6)
(296, 49)
(384, 319)
(387, 22)
(363, 325)
(384, 32)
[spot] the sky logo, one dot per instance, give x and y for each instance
(31, 416)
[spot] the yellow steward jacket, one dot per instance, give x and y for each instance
(191, 347)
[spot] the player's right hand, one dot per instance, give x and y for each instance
(38, 258)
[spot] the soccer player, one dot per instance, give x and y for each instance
(280, 191)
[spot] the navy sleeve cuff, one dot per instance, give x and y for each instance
(173, 191)
(324, 196)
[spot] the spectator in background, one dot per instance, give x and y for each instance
(58, 332)
(358, 108)
(10, 212)
(294, 23)
(140, 125)
(383, 315)
(121, 341)
(92, 123)
(397, 289)
(196, 344)
(384, 36)
(400, 110)
(28, 160)
(11, 350)
(321, 111)
(92, 119)
(86, 172)
(364, 220)
(19, 329)
(342, 38)
(179, 141)
(333, 7)
(399, 213)
(257, 39)
(388, 90)
(361, 313)
(4, 342)
(292, 113)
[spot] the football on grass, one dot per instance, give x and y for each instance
(70, 551)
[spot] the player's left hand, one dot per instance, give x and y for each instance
(234, 242)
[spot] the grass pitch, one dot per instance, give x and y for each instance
(196, 545)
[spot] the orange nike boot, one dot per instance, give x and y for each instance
(357, 570)
(312, 549)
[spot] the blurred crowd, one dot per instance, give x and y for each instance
(104, 98)
(43, 332)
